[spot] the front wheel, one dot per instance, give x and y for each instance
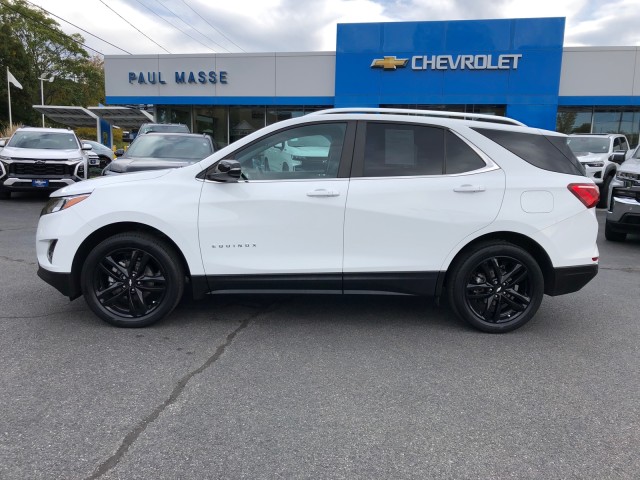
(496, 288)
(132, 280)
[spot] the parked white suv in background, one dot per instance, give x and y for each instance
(600, 154)
(623, 216)
(480, 209)
(41, 159)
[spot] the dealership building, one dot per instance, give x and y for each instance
(514, 67)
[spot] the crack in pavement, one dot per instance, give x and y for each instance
(2, 257)
(30, 317)
(622, 269)
(133, 435)
(16, 229)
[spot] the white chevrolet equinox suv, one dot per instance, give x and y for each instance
(481, 210)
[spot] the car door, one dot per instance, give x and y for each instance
(416, 192)
(279, 228)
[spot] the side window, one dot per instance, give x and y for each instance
(393, 150)
(460, 156)
(548, 152)
(311, 151)
(623, 144)
(616, 144)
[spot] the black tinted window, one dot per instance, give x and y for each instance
(460, 156)
(546, 152)
(400, 150)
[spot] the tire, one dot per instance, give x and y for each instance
(483, 292)
(121, 294)
(285, 167)
(604, 192)
(612, 235)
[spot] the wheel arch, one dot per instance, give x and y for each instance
(108, 231)
(527, 243)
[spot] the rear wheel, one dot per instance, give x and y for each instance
(612, 235)
(132, 280)
(496, 288)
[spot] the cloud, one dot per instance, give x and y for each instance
(292, 25)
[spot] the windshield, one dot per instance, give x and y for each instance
(170, 147)
(44, 140)
(588, 144)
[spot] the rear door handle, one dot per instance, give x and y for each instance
(321, 192)
(469, 188)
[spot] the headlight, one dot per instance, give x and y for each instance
(77, 159)
(595, 164)
(4, 157)
(62, 203)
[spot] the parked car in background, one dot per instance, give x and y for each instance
(41, 159)
(600, 154)
(155, 151)
(104, 153)
(490, 215)
(623, 216)
(163, 127)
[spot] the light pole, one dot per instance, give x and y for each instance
(42, 79)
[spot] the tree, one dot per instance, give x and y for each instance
(33, 45)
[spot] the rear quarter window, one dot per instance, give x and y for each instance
(548, 152)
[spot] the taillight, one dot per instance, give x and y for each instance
(587, 193)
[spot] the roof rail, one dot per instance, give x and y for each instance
(426, 113)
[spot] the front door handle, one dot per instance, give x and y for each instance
(321, 192)
(469, 188)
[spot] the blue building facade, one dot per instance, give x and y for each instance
(512, 66)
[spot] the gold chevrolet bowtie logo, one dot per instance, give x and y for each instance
(389, 63)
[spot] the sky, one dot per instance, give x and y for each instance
(217, 26)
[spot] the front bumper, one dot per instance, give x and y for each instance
(624, 212)
(16, 184)
(63, 282)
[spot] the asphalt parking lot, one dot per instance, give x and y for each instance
(316, 387)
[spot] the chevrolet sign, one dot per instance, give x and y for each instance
(508, 61)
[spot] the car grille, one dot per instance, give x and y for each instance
(40, 169)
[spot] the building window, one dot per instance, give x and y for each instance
(245, 120)
(174, 114)
(277, 114)
(214, 122)
(574, 120)
(623, 120)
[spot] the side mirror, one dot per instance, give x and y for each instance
(618, 157)
(225, 171)
(119, 152)
(86, 146)
(279, 146)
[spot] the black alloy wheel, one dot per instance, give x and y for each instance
(132, 280)
(497, 288)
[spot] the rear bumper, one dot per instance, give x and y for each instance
(570, 279)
